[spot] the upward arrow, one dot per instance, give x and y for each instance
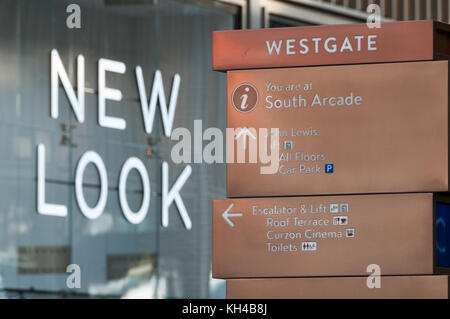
(226, 215)
(245, 132)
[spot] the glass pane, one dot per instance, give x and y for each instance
(116, 258)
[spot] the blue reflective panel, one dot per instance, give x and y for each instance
(442, 235)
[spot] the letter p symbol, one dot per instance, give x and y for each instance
(329, 168)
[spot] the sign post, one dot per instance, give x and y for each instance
(363, 133)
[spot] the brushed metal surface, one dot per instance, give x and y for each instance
(395, 141)
(395, 42)
(396, 287)
(394, 231)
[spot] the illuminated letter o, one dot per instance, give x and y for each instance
(94, 158)
(134, 217)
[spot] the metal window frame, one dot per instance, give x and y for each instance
(242, 6)
(258, 13)
(310, 12)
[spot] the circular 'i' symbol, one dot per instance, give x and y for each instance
(244, 97)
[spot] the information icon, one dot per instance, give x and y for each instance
(244, 97)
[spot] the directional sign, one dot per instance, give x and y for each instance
(244, 132)
(330, 45)
(380, 128)
(226, 215)
(323, 236)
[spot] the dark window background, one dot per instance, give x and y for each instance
(116, 257)
(276, 21)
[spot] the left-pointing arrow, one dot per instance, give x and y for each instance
(226, 215)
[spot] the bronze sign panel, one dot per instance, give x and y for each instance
(330, 45)
(398, 287)
(323, 236)
(375, 128)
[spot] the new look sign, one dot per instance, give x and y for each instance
(76, 97)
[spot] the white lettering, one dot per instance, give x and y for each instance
(305, 48)
(346, 45)
(108, 93)
(274, 45)
(57, 71)
(290, 47)
(333, 46)
(158, 94)
(174, 195)
(94, 158)
(43, 207)
(134, 217)
(371, 42)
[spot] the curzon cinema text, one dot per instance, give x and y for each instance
(148, 108)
